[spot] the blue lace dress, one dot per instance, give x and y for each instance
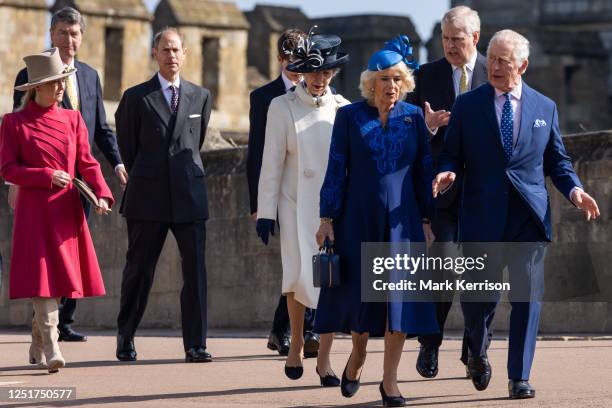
(377, 188)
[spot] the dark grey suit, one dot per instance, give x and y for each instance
(166, 191)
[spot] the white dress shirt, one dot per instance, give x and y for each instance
(470, 72)
(165, 86)
(288, 83)
(516, 103)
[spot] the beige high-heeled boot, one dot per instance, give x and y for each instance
(46, 313)
(37, 353)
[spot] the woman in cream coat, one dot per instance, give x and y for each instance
(298, 136)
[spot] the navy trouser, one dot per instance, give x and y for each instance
(525, 271)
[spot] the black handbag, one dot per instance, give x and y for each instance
(326, 267)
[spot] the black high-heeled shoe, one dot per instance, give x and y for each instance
(294, 373)
(329, 380)
(391, 401)
(349, 387)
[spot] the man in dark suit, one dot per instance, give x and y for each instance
(505, 138)
(260, 98)
(161, 125)
(438, 83)
(83, 93)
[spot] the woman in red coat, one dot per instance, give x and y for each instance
(42, 147)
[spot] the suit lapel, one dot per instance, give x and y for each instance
(279, 86)
(81, 83)
(528, 112)
(185, 93)
(489, 111)
(479, 76)
(158, 102)
(448, 85)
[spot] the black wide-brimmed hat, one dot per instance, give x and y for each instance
(317, 53)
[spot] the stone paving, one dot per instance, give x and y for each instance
(567, 373)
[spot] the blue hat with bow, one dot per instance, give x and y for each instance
(395, 51)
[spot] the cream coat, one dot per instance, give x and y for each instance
(298, 135)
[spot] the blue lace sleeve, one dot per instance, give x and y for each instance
(333, 189)
(423, 170)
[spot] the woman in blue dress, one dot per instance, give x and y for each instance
(377, 188)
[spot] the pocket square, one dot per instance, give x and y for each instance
(539, 123)
(195, 115)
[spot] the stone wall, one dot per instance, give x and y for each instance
(244, 276)
(23, 31)
(231, 97)
(135, 57)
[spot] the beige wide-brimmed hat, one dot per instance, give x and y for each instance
(44, 67)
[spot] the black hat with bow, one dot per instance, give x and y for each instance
(317, 53)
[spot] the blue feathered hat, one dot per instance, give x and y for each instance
(395, 50)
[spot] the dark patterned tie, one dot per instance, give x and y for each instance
(174, 98)
(507, 126)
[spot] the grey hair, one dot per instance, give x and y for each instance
(366, 82)
(68, 15)
(158, 35)
(463, 18)
(520, 44)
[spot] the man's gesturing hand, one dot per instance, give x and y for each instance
(435, 119)
(586, 203)
(442, 182)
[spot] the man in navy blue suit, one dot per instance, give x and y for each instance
(260, 99)
(505, 137)
(438, 83)
(83, 93)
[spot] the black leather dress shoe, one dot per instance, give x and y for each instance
(480, 372)
(67, 334)
(311, 344)
(197, 354)
(427, 362)
(389, 400)
(519, 389)
(279, 343)
(328, 380)
(125, 349)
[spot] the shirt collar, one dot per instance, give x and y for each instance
(71, 65)
(515, 93)
(288, 83)
(470, 64)
(165, 83)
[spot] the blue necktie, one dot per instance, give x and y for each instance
(507, 126)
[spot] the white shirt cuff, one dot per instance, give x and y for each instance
(119, 166)
(572, 193)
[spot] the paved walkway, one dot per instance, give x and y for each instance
(575, 373)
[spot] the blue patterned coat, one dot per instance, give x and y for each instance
(377, 189)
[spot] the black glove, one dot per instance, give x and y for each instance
(264, 228)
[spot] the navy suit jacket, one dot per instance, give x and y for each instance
(473, 144)
(91, 106)
(258, 115)
(434, 84)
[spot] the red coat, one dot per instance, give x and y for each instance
(53, 254)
